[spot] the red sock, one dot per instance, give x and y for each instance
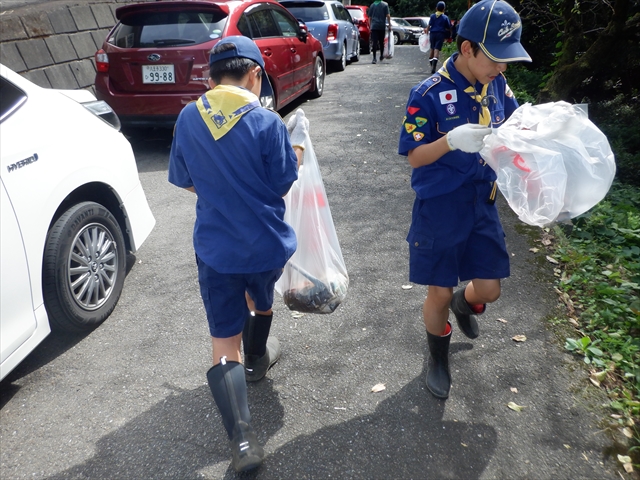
(478, 308)
(446, 331)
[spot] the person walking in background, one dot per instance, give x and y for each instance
(439, 29)
(455, 233)
(379, 16)
(238, 158)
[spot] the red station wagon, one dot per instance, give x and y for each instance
(156, 59)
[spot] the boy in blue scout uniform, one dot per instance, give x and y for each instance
(455, 232)
(237, 157)
(439, 29)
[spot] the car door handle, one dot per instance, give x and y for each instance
(293, 50)
(268, 52)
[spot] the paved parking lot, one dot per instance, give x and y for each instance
(130, 400)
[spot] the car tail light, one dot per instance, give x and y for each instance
(102, 61)
(332, 32)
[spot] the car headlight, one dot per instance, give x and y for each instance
(103, 111)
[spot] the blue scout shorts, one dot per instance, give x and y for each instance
(437, 40)
(457, 237)
(224, 300)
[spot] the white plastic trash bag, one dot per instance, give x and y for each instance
(552, 162)
(315, 278)
(424, 44)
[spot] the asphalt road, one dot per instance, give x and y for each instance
(130, 400)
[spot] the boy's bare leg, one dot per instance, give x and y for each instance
(435, 309)
(226, 347)
(481, 291)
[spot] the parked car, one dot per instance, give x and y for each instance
(422, 22)
(71, 206)
(329, 22)
(404, 32)
(156, 59)
(361, 20)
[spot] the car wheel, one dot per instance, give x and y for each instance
(83, 267)
(396, 39)
(342, 63)
(318, 79)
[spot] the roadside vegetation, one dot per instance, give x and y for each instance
(596, 258)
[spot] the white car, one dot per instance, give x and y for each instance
(72, 206)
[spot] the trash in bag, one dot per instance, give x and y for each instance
(424, 44)
(552, 162)
(315, 278)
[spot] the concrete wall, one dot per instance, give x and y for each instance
(53, 43)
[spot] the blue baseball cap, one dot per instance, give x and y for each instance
(244, 48)
(496, 27)
(440, 6)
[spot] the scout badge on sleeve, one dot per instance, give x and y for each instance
(552, 162)
(315, 278)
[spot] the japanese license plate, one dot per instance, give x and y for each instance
(158, 74)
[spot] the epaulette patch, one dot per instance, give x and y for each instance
(429, 83)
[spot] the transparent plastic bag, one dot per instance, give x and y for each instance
(552, 162)
(315, 278)
(424, 43)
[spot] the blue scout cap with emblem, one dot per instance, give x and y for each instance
(496, 27)
(244, 48)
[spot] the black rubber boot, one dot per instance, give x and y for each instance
(438, 377)
(434, 64)
(260, 351)
(229, 390)
(465, 316)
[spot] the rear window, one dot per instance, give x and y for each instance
(167, 29)
(356, 13)
(309, 14)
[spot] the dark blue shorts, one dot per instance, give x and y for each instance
(457, 237)
(437, 40)
(224, 300)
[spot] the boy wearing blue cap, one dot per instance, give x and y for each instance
(455, 232)
(439, 29)
(237, 157)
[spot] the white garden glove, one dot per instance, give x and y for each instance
(468, 137)
(298, 127)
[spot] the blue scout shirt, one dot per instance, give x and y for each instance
(439, 23)
(240, 179)
(438, 105)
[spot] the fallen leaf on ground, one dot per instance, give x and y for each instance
(407, 287)
(551, 260)
(627, 432)
(519, 338)
(625, 460)
(297, 314)
(534, 250)
(567, 446)
(515, 406)
(502, 320)
(378, 388)
(514, 389)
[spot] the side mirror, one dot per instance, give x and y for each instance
(303, 31)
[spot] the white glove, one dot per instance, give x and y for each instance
(298, 127)
(468, 137)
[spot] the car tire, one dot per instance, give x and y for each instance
(396, 39)
(341, 65)
(318, 79)
(83, 268)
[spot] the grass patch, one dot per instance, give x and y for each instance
(599, 282)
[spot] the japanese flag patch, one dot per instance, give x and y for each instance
(450, 96)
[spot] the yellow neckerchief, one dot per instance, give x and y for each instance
(439, 13)
(222, 107)
(485, 114)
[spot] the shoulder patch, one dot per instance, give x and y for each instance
(429, 83)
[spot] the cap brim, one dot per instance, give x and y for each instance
(505, 53)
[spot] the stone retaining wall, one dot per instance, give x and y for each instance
(53, 43)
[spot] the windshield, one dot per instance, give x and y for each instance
(167, 29)
(401, 21)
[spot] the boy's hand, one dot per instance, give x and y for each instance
(468, 137)
(298, 127)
